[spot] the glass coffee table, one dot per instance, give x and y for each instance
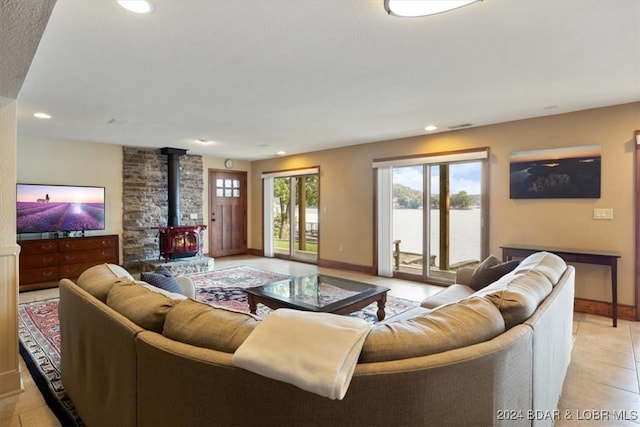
(318, 293)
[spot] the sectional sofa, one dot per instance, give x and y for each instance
(132, 355)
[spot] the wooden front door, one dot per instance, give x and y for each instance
(227, 213)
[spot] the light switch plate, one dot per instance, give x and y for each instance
(603, 213)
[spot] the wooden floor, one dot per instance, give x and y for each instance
(602, 382)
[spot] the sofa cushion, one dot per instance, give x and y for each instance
(202, 325)
(490, 270)
(99, 279)
(518, 295)
(172, 295)
(162, 281)
(465, 323)
(551, 265)
(452, 293)
(140, 305)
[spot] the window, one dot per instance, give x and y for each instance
(431, 215)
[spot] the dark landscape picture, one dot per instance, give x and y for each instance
(572, 172)
(44, 208)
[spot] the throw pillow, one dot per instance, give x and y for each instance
(168, 283)
(161, 269)
(490, 270)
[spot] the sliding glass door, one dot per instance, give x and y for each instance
(436, 217)
(294, 225)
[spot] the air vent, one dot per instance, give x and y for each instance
(117, 122)
(460, 126)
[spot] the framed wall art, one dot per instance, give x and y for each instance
(571, 172)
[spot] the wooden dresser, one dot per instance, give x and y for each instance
(44, 262)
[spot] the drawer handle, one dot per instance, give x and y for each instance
(48, 273)
(68, 245)
(70, 257)
(46, 247)
(47, 259)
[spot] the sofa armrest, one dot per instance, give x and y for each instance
(187, 286)
(463, 275)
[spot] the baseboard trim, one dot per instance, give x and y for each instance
(600, 308)
(255, 252)
(366, 269)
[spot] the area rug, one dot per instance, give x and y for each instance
(39, 329)
(39, 334)
(226, 288)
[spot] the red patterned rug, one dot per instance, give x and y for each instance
(39, 333)
(39, 329)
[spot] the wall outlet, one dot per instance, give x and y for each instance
(603, 213)
(194, 216)
(340, 248)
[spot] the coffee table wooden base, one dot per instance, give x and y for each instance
(381, 299)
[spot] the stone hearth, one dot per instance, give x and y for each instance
(196, 264)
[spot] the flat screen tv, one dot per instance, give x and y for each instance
(59, 208)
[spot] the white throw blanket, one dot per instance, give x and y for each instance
(316, 352)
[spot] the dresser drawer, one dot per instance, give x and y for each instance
(82, 244)
(72, 271)
(39, 260)
(98, 256)
(37, 275)
(38, 246)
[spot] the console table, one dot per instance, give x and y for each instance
(574, 255)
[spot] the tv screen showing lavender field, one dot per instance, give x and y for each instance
(55, 208)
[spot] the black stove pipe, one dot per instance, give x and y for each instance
(173, 183)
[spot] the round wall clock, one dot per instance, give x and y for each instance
(228, 163)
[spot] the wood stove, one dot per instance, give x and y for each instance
(177, 241)
(180, 241)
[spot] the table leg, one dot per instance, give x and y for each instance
(614, 290)
(381, 304)
(253, 305)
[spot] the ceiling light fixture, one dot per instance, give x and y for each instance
(414, 8)
(205, 141)
(136, 6)
(431, 128)
(42, 115)
(281, 153)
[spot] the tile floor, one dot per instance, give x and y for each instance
(601, 387)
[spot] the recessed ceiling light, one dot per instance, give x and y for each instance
(42, 115)
(205, 141)
(431, 128)
(136, 6)
(281, 153)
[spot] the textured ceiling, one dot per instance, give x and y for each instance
(21, 24)
(261, 76)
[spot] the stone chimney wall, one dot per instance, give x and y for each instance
(145, 200)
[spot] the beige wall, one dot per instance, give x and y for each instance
(347, 200)
(346, 182)
(10, 381)
(54, 161)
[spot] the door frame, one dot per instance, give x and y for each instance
(267, 214)
(637, 191)
(243, 176)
